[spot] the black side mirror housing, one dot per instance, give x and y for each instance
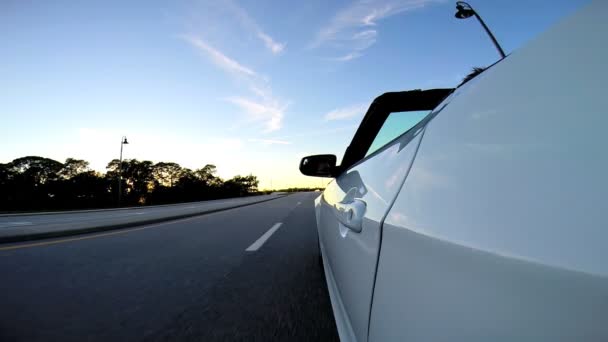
(321, 165)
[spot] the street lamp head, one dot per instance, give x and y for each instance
(125, 142)
(463, 10)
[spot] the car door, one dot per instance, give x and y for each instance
(499, 231)
(352, 207)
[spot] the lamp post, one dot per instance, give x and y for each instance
(123, 141)
(465, 11)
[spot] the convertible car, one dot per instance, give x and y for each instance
(478, 213)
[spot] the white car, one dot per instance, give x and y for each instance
(480, 213)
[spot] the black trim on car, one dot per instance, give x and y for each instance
(378, 112)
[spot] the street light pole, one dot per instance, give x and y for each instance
(123, 141)
(464, 11)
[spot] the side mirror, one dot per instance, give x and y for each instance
(321, 165)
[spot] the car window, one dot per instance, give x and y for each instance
(396, 124)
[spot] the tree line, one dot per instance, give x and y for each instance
(38, 183)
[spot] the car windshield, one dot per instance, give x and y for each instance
(395, 125)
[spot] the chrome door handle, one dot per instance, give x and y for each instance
(351, 213)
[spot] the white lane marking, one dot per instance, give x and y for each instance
(259, 242)
(15, 224)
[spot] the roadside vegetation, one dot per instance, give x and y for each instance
(37, 183)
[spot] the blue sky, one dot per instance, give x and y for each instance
(250, 86)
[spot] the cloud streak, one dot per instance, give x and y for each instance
(347, 57)
(266, 109)
(219, 59)
(346, 112)
(251, 25)
(274, 47)
(270, 113)
(354, 28)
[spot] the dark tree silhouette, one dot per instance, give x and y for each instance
(38, 170)
(140, 180)
(35, 183)
(241, 185)
(73, 167)
(33, 180)
(207, 175)
(167, 174)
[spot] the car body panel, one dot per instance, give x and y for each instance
(350, 258)
(442, 291)
(499, 231)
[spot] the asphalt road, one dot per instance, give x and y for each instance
(12, 225)
(186, 280)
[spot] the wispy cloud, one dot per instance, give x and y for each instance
(268, 112)
(265, 109)
(271, 141)
(347, 57)
(251, 25)
(218, 58)
(274, 47)
(354, 28)
(346, 113)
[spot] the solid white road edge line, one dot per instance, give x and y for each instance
(259, 242)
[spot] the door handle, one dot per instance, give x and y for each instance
(350, 213)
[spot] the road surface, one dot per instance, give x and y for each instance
(19, 227)
(249, 273)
